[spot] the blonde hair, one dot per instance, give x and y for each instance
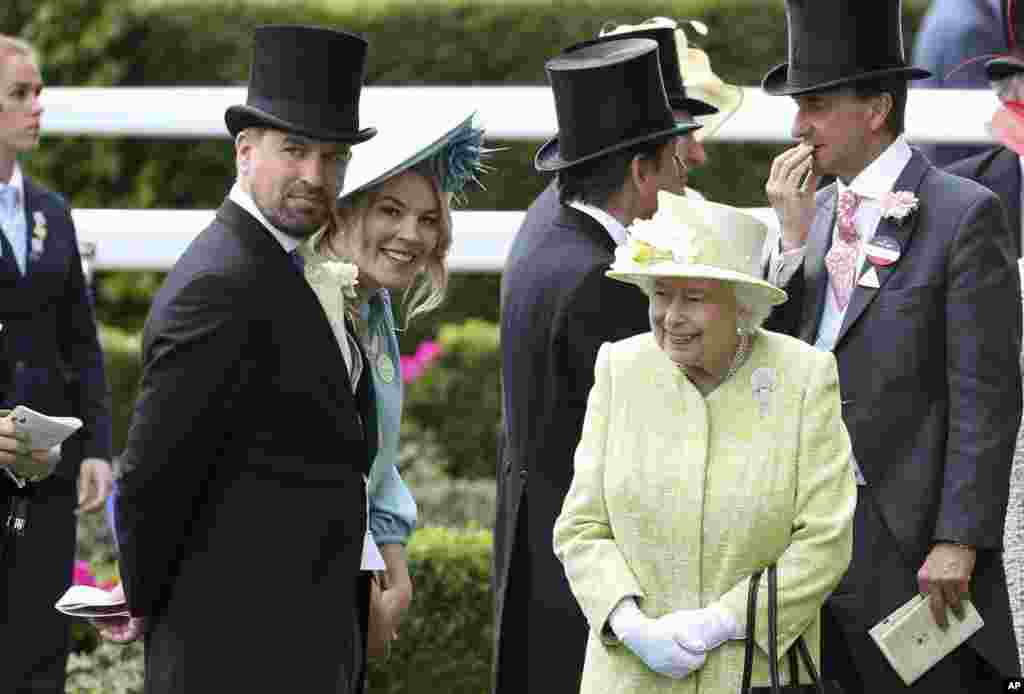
(428, 290)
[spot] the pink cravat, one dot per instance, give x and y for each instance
(841, 258)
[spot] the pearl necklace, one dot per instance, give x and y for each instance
(742, 350)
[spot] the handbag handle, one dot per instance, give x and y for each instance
(748, 649)
(799, 646)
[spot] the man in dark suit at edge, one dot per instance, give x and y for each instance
(906, 273)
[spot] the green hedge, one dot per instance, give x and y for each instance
(444, 644)
(122, 358)
(445, 641)
(112, 42)
(456, 404)
(455, 42)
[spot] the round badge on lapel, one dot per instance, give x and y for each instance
(385, 368)
(883, 251)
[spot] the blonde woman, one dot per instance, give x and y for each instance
(393, 223)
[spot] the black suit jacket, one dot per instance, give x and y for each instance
(927, 365)
(997, 169)
(244, 475)
(557, 308)
(50, 332)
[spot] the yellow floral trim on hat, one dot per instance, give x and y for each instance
(644, 253)
(650, 242)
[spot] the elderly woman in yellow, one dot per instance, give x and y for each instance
(711, 449)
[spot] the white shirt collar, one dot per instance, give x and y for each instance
(881, 175)
(245, 201)
(18, 181)
(611, 225)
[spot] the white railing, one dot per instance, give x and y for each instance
(153, 239)
(509, 112)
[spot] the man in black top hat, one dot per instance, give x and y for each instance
(243, 506)
(999, 168)
(615, 149)
(906, 274)
(690, 150)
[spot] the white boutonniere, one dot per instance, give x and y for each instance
(39, 232)
(898, 205)
(339, 274)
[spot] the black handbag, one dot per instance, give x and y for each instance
(816, 685)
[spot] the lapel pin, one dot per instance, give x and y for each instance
(762, 382)
(883, 251)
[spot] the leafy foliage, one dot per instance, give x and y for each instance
(451, 42)
(445, 641)
(456, 403)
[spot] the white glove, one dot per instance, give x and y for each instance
(700, 631)
(652, 640)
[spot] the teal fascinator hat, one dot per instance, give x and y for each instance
(455, 158)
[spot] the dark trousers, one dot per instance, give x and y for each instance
(509, 676)
(879, 580)
(361, 627)
(36, 571)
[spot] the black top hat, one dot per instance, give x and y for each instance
(833, 43)
(608, 96)
(1013, 27)
(304, 80)
(668, 57)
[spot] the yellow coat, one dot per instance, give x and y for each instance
(678, 499)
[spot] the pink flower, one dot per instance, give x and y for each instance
(412, 369)
(83, 575)
(898, 205)
(428, 351)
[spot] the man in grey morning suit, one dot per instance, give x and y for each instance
(906, 273)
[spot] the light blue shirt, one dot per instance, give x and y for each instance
(392, 507)
(871, 184)
(12, 219)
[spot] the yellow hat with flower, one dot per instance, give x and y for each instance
(689, 238)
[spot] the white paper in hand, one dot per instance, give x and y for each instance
(91, 603)
(43, 431)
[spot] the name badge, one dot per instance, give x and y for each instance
(386, 368)
(883, 251)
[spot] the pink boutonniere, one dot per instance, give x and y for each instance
(899, 205)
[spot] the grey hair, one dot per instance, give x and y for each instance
(753, 305)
